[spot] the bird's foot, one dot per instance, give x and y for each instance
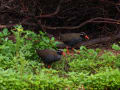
(67, 48)
(68, 53)
(63, 53)
(72, 51)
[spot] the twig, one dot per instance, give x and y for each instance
(6, 26)
(52, 14)
(105, 20)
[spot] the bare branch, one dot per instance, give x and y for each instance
(105, 20)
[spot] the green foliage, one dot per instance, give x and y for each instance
(21, 69)
(45, 79)
(108, 80)
(46, 42)
(4, 33)
(24, 47)
(91, 70)
(117, 61)
(115, 47)
(86, 61)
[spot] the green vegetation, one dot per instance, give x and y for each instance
(21, 69)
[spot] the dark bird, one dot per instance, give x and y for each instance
(49, 56)
(61, 45)
(71, 39)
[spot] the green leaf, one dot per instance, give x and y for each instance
(52, 38)
(83, 48)
(5, 32)
(115, 47)
(1, 34)
(56, 42)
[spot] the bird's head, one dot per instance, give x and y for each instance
(59, 51)
(84, 35)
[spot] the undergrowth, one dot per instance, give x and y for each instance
(21, 69)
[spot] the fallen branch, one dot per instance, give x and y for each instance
(98, 40)
(7, 26)
(94, 20)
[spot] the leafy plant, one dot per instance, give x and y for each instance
(4, 32)
(115, 47)
(21, 69)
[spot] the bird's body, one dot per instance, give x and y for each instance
(49, 56)
(61, 45)
(71, 39)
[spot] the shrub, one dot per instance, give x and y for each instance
(21, 69)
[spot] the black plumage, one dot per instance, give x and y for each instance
(61, 45)
(71, 39)
(49, 56)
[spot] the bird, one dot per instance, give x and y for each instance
(61, 45)
(71, 39)
(48, 56)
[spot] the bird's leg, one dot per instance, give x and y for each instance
(67, 50)
(72, 51)
(63, 53)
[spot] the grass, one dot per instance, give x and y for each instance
(22, 69)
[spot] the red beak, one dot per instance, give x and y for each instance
(86, 37)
